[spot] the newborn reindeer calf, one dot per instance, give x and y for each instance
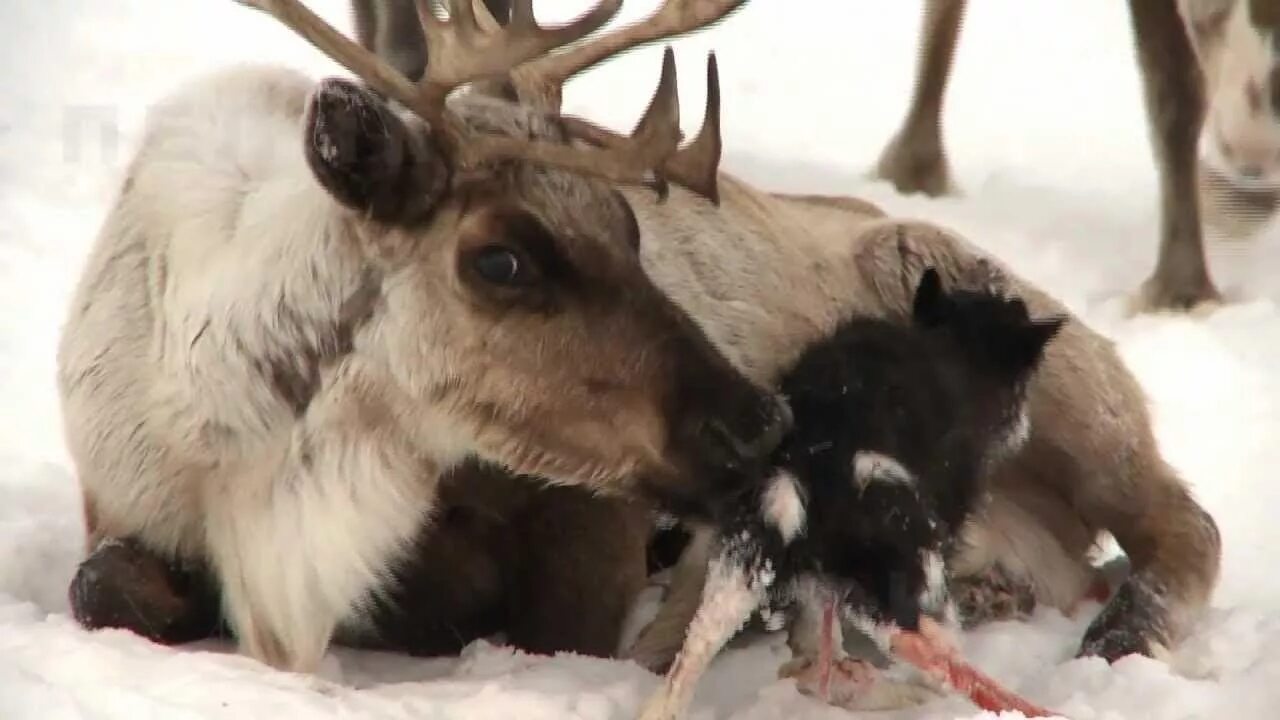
(863, 503)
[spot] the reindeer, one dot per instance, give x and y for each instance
(306, 305)
(760, 275)
(1211, 64)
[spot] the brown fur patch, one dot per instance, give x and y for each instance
(842, 202)
(296, 378)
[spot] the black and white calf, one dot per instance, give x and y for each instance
(864, 501)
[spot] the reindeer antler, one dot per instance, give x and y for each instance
(461, 50)
(697, 164)
(542, 80)
(466, 48)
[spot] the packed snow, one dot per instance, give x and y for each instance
(1048, 141)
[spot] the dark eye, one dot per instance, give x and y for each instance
(502, 266)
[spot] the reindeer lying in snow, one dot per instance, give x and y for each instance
(306, 305)
(419, 285)
(1214, 63)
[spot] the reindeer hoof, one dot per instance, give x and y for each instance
(1131, 624)
(1159, 294)
(122, 585)
(915, 165)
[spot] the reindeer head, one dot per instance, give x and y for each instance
(1000, 341)
(1238, 43)
(517, 309)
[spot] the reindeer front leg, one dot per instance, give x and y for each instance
(915, 159)
(303, 532)
(1174, 91)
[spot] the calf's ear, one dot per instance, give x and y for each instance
(929, 307)
(1026, 347)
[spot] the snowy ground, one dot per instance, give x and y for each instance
(1062, 189)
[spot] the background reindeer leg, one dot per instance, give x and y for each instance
(390, 28)
(915, 160)
(1174, 93)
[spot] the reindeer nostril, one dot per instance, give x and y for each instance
(723, 444)
(779, 424)
(786, 419)
(735, 449)
(777, 421)
(1253, 172)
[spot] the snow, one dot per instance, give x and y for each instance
(1047, 137)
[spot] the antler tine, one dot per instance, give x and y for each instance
(522, 20)
(697, 165)
(364, 64)
(459, 51)
(485, 19)
(633, 160)
(467, 48)
(542, 80)
(657, 134)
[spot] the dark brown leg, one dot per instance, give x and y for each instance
(449, 594)
(583, 564)
(1174, 92)
(915, 160)
(451, 588)
(556, 569)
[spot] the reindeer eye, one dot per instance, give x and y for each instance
(501, 266)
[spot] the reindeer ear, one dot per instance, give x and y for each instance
(929, 308)
(1049, 328)
(369, 158)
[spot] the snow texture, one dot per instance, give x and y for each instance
(1048, 141)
